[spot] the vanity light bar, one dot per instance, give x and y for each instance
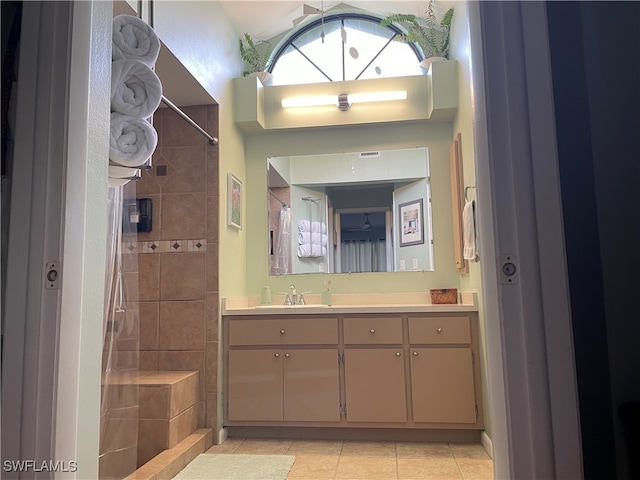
(320, 100)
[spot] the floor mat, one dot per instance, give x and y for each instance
(209, 466)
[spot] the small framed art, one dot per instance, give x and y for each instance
(234, 201)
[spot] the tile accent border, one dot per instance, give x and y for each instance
(166, 246)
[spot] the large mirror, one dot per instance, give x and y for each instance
(350, 212)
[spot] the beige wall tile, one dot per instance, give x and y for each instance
(149, 314)
(181, 326)
(183, 424)
(213, 171)
(211, 366)
(211, 414)
(118, 463)
(184, 394)
(149, 277)
(190, 173)
(212, 119)
(155, 401)
(212, 313)
(147, 185)
(176, 132)
(183, 215)
(213, 218)
(212, 261)
(153, 437)
(148, 360)
(182, 276)
(192, 361)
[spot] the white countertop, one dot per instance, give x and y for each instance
(350, 303)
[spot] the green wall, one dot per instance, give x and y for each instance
(436, 136)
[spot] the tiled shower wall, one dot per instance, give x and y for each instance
(178, 259)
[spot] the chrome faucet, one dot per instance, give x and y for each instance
(294, 295)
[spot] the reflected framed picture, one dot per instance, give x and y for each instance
(234, 201)
(411, 223)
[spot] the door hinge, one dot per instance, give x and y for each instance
(341, 358)
(343, 409)
(476, 412)
(473, 358)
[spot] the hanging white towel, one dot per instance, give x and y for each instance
(469, 231)
(135, 89)
(307, 250)
(132, 140)
(312, 238)
(313, 227)
(134, 39)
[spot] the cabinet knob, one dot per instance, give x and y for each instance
(372, 330)
(287, 355)
(282, 331)
(276, 355)
(415, 354)
(398, 354)
(439, 330)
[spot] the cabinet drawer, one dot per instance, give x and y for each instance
(289, 331)
(372, 331)
(439, 330)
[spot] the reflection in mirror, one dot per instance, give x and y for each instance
(340, 213)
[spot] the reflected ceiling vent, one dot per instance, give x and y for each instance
(369, 154)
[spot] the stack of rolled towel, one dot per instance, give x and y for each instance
(136, 93)
(312, 239)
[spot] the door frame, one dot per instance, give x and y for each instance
(535, 428)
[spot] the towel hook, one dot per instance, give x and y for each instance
(466, 191)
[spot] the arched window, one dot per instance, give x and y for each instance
(344, 46)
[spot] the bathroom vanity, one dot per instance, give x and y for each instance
(381, 366)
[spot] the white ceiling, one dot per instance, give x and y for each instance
(264, 19)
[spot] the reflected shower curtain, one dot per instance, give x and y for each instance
(283, 243)
(120, 353)
(364, 256)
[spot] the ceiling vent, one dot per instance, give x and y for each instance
(369, 154)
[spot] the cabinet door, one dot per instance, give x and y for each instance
(311, 385)
(442, 385)
(374, 385)
(255, 385)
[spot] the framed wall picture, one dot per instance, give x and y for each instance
(234, 201)
(411, 217)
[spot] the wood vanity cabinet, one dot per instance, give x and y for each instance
(409, 371)
(274, 375)
(442, 370)
(374, 370)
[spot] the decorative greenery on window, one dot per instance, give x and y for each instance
(343, 46)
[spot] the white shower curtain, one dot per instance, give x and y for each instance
(364, 256)
(120, 351)
(283, 243)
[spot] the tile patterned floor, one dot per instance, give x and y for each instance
(355, 460)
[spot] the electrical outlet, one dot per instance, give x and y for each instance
(401, 264)
(415, 263)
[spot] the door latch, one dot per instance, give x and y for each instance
(509, 269)
(52, 276)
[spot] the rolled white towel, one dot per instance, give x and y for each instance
(312, 238)
(311, 251)
(132, 140)
(313, 227)
(135, 89)
(134, 39)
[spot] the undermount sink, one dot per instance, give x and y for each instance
(293, 306)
